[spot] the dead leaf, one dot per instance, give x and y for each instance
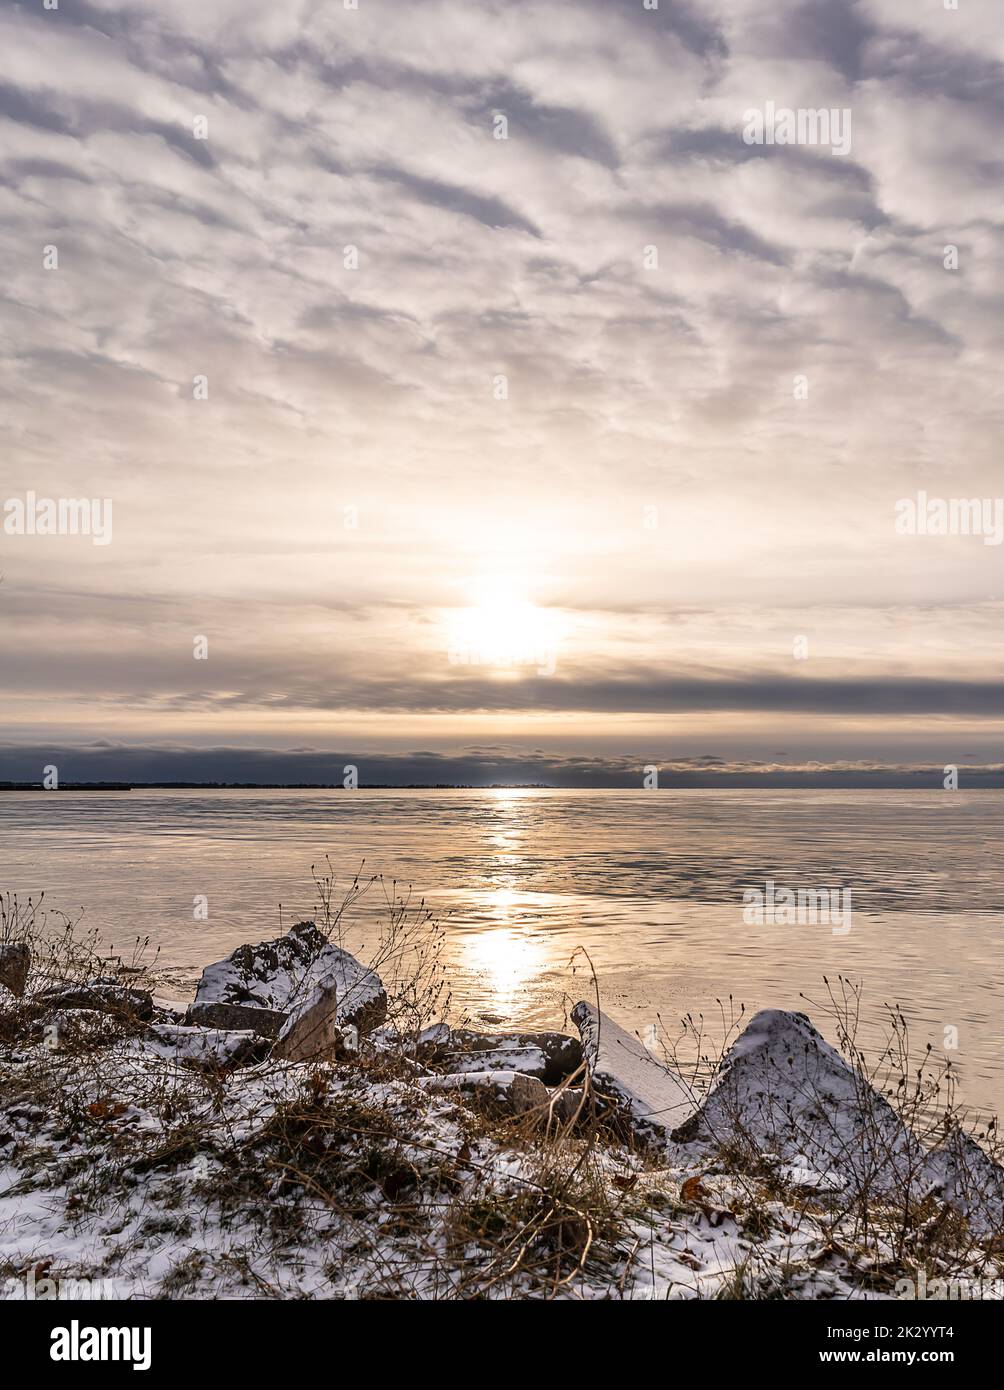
(693, 1191)
(101, 1110)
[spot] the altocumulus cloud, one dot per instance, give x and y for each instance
(365, 385)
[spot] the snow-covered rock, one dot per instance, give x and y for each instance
(260, 986)
(216, 1048)
(969, 1180)
(653, 1099)
(427, 1044)
(436, 1036)
(562, 1054)
(312, 1028)
(168, 1009)
(509, 1089)
(784, 1091)
(15, 962)
(105, 995)
(529, 1061)
(468, 1081)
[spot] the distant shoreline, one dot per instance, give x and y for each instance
(927, 780)
(273, 786)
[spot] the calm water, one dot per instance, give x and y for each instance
(650, 883)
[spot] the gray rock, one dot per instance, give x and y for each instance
(650, 1098)
(313, 1029)
(568, 1105)
(784, 1091)
(506, 1093)
(529, 1061)
(260, 986)
(550, 1108)
(15, 962)
(562, 1054)
(527, 1093)
(214, 1049)
(969, 1180)
(104, 995)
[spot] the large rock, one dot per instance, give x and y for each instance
(550, 1109)
(15, 962)
(562, 1054)
(105, 995)
(260, 986)
(215, 1049)
(312, 1030)
(783, 1091)
(569, 1104)
(427, 1044)
(651, 1099)
(527, 1093)
(504, 1092)
(968, 1179)
(528, 1061)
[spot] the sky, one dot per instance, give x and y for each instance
(458, 388)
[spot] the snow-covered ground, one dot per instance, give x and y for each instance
(351, 1179)
(146, 1155)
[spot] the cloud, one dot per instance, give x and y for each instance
(492, 212)
(102, 761)
(511, 387)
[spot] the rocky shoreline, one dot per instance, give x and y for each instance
(290, 1135)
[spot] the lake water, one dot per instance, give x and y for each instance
(649, 883)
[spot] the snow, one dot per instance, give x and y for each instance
(528, 1060)
(122, 1163)
(683, 1232)
(217, 1047)
(469, 1080)
(963, 1175)
(258, 986)
(784, 1091)
(655, 1098)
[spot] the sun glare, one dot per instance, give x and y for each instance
(505, 631)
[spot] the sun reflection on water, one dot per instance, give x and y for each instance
(505, 955)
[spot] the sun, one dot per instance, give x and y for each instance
(504, 631)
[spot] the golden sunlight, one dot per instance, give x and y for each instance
(505, 959)
(502, 629)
